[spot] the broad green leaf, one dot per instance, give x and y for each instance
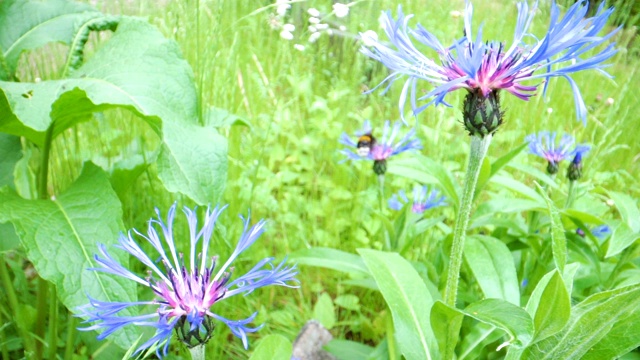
(409, 300)
(10, 153)
(599, 318)
(445, 179)
(8, 238)
(628, 209)
(331, 259)
(553, 308)
(536, 295)
(584, 217)
(506, 316)
(351, 350)
(505, 206)
(410, 168)
(506, 158)
(446, 322)
(477, 339)
(621, 238)
(125, 172)
(137, 69)
(193, 161)
(348, 301)
(40, 22)
(61, 237)
(273, 347)
(493, 267)
(217, 117)
(505, 182)
(623, 337)
(538, 175)
(324, 312)
(558, 240)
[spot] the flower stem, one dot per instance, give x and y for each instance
(197, 352)
(53, 323)
(43, 285)
(477, 153)
(570, 195)
(71, 337)
(387, 240)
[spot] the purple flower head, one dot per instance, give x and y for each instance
(184, 292)
(380, 149)
(544, 145)
(420, 202)
(486, 66)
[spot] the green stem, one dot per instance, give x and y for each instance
(53, 323)
(15, 309)
(197, 352)
(477, 153)
(3, 342)
(387, 240)
(43, 285)
(71, 337)
(570, 194)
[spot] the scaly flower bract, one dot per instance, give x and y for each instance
(384, 147)
(420, 202)
(544, 145)
(485, 67)
(185, 293)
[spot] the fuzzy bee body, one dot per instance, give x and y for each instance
(365, 143)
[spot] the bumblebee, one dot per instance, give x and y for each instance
(365, 143)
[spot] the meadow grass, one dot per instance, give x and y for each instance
(286, 166)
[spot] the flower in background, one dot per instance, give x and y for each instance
(485, 67)
(282, 6)
(367, 147)
(184, 294)
(369, 37)
(544, 145)
(340, 10)
(574, 172)
(287, 31)
(423, 199)
(601, 232)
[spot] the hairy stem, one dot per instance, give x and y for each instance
(197, 352)
(477, 153)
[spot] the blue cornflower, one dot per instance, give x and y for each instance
(600, 232)
(543, 144)
(421, 202)
(483, 67)
(367, 147)
(574, 172)
(184, 294)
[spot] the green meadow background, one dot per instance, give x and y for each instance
(284, 156)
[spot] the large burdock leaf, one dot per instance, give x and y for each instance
(10, 153)
(409, 301)
(137, 69)
(60, 237)
(40, 22)
(193, 161)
